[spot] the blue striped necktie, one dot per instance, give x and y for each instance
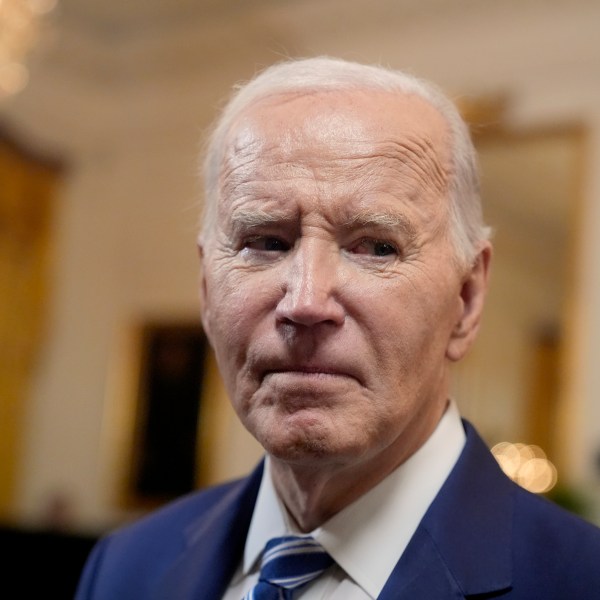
(288, 563)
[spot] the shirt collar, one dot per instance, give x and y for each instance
(367, 538)
(269, 520)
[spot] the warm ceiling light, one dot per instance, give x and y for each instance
(20, 27)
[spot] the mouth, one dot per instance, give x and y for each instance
(309, 372)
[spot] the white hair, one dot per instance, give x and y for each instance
(312, 75)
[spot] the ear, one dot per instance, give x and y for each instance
(203, 295)
(472, 297)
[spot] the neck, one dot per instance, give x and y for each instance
(312, 496)
(314, 491)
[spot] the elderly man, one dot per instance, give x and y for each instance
(345, 266)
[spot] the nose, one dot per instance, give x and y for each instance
(310, 287)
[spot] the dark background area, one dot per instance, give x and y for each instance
(42, 563)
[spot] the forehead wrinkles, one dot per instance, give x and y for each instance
(413, 163)
(411, 157)
(240, 154)
(417, 156)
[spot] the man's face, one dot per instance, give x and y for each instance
(330, 291)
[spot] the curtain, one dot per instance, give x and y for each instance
(27, 188)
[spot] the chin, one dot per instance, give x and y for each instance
(314, 447)
(297, 443)
(307, 435)
(307, 452)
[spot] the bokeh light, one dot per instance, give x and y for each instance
(527, 465)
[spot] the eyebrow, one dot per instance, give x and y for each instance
(383, 220)
(248, 219)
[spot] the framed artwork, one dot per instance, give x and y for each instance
(165, 452)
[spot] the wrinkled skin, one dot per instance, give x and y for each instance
(330, 290)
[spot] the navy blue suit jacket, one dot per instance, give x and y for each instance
(482, 537)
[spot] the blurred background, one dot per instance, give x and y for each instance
(103, 108)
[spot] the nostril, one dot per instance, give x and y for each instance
(309, 310)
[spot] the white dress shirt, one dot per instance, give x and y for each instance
(367, 538)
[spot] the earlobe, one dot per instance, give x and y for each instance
(472, 297)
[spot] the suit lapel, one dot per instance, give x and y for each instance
(215, 547)
(463, 545)
(422, 573)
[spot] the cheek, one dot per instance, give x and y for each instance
(240, 306)
(229, 299)
(409, 328)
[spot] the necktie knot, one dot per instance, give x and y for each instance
(288, 563)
